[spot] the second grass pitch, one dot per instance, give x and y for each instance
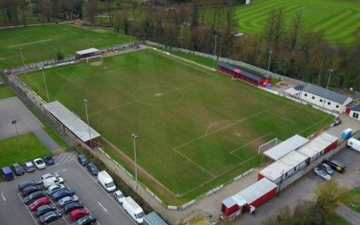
(197, 129)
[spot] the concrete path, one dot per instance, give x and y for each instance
(46, 140)
(348, 214)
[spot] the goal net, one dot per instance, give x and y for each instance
(95, 58)
(268, 145)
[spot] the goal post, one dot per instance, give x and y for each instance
(93, 58)
(268, 145)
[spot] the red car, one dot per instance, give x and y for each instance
(79, 213)
(39, 202)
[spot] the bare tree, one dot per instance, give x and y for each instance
(90, 11)
(295, 29)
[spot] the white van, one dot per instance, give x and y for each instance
(106, 181)
(134, 210)
(352, 143)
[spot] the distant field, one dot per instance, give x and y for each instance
(42, 42)
(197, 129)
(21, 148)
(337, 18)
(6, 92)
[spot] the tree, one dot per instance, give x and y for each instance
(274, 29)
(59, 55)
(90, 11)
(295, 29)
(329, 195)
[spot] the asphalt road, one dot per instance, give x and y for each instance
(101, 204)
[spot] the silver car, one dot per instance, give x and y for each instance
(327, 168)
(69, 199)
(53, 188)
(322, 173)
(47, 175)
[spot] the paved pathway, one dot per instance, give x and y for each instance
(46, 140)
(348, 214)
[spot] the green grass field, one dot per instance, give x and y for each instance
(197, 129)
(337, 18)
(42, 42)
(21, 148)
(6, 92)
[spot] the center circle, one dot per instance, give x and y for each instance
(158, 95)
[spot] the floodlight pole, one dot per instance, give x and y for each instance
(88, 122)
(46, 89)
(23, 61)
(327, 86)
(269, 63)
(215, 51)
(134, 136)
(181, 35)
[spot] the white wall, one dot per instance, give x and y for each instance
(317, 100)
(353, 113)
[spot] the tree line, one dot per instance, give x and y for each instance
(201, 24)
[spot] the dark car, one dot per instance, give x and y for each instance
(18, 170)
(62, 193)
(49, 160)
(33, 196)
(45, 209)
(82, 160)
(86, 220)
(29, 190)
(50, 217)
(29, 167)
(7, 173)
(28, 183)
(336, 165)
(92, 168)
(72, 206)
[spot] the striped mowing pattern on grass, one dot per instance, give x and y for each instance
(337, 18)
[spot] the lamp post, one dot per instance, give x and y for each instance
(46, 89)
(23, 61)
(88, 122)
(215, 48)
(134, 136)
(269, 63)
(327, 86)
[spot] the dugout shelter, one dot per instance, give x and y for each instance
(87, 53)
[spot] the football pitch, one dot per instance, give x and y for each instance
(197, 128)
(337, 18)
(65, 38)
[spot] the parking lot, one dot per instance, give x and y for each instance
(101, 205)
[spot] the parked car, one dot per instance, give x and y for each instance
(49, 160)
(79, 213)
(72, 206)
(119, 196)
(48, 175)
(62, 193)
(29, 190)
(86, 220)
(33, 196)
(18, 170)
(327, 168)
(50, 217)
(322, 173)
(7, 173)
(39, 202)
(52, 180)
(82, 160)
(68, 199)
(29, 167)
(28, 183)
(54, 188)
(39, 163)
(92, 168)
(44, 209)
(336, 165)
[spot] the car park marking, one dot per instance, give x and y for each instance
(102, 207)
(63, 170)
(27, 209)
(2, 195)
(112, 199)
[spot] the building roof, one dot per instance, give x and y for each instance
(286, 147)
(70, 120)
(245, 73)
(330, 95)
(154, 219)
(292, 91)
(257, 190)
(275, 170)
(356, 108)
(299, 87)
(317, 145)
(87, 51)
(234, 200)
